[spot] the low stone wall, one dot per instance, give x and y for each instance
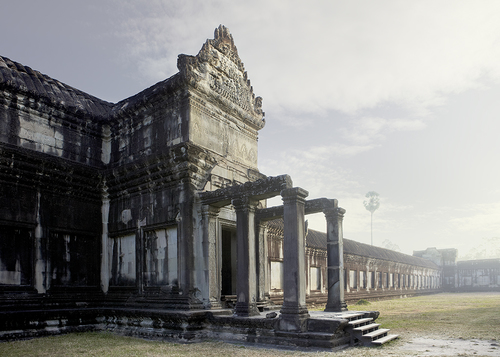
(26, 324)
(325, 330)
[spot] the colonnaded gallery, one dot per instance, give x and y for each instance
(148, 217)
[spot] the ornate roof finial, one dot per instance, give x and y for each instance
(223, 40)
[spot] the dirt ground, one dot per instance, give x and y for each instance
(427, 346)
(416, 346)
(439, 347)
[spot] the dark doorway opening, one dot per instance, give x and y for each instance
(228, 262)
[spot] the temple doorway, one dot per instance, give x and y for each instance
(229, 271)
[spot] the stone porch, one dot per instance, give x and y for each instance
(324, 330)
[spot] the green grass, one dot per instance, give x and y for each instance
(450, 315)
(103, 344)
(362, 302)
(464, 316)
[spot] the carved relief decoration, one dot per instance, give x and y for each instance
(218, 70)
(222, 134)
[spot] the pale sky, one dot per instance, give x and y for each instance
(397, 97)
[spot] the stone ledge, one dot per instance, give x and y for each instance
(325, 330)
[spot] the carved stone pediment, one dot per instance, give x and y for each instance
(218, 71)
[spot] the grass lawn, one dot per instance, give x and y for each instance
(459, 316)
(448, 315)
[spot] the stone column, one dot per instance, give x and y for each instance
(41, 280)
(104, 240)
(261, 262)
(188, 296)
(139, 256)
(246, 286)
(294, 313)
(212, 267)
(335, 258)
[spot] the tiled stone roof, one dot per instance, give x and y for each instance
(144, 96)
(26, 80)
(315, 239)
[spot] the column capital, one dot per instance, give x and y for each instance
(208, 210)
(244, 202)
(262, 225)
(332, 212)
(294, 193)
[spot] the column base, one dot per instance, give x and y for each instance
(342, 306)
(214, 304)
(293, 322)
(294, 310)
(244, 309)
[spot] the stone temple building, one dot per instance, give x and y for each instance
(106, 197)
(121, 216)
(148, 217)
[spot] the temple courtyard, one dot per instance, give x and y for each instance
(446, 324)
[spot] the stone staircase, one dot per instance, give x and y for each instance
(367, 333)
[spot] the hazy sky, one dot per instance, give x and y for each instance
(397, 97)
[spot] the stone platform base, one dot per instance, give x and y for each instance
(324, 329)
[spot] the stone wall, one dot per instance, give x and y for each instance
(50, 210)
(103, 197)
(51, 156)
(478, 275)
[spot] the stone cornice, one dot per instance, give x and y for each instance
(33, 169)
(260, 189)
(311, 206)
(163, 169)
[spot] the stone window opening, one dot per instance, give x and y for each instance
(16, 256)
(316, 278)
(353, 281)
(160, 257)
(74, 259)
(122, 261)
(277, 276)
(362, 279)
(371, 280)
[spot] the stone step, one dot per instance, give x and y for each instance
(374, 335)
(354, 316)
(358, 322)
(366, 328)
(382, 340)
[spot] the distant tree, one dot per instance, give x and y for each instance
(486, 248)
(372, 203)
(387, 244)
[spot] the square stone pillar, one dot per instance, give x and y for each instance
(262, 293)
(294, 313)
(335, 258)
(40, 278)
(246, 286)
(187, 297)
(212, 267)
(104, 240)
